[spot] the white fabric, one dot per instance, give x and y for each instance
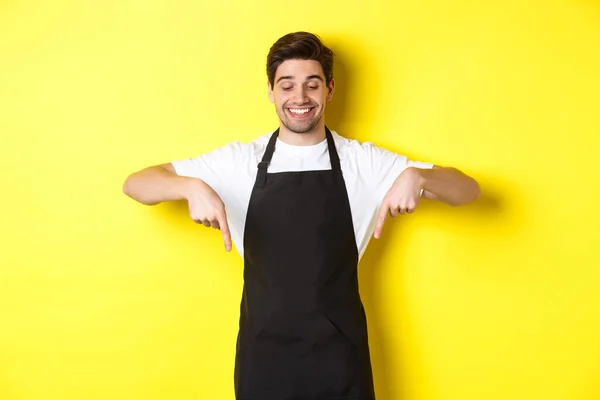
(369, 171)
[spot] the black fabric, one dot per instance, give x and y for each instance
(303, 333)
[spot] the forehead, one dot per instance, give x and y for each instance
(299, 69)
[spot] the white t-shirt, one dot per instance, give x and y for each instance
(369, 171)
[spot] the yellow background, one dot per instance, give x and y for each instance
(103, 298)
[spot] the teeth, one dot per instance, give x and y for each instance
(299, 111)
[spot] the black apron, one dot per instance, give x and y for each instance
(303, 331)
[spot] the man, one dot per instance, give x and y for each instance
(302, 204)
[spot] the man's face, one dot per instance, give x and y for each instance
(300, 94)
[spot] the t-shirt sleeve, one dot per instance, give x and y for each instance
(214, 168)
(386, 166)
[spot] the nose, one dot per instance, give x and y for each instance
(299, 95)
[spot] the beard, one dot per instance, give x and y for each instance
(303, 125)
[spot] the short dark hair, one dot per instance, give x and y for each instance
(300, 46)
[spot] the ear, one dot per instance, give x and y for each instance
(330, 89)
(271, 97)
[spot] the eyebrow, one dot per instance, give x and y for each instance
(307, 78)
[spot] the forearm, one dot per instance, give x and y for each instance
(156, 184)
(449, 185)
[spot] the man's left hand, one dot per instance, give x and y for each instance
(402, 198)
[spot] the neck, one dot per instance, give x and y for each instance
(312, 137)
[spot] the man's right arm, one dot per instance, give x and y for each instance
(159, 183)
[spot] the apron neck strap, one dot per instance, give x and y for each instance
(268, 156)
(333, 154)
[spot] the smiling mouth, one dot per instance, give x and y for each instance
(300, 112)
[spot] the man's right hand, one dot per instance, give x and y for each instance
(207, 208)
(160, 183)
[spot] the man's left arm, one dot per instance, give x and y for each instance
(444, 184)
(448, 185)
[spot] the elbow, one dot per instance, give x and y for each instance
(476, 191)
(472, 194)
(127, 187)
(129, 190)
(469, 195)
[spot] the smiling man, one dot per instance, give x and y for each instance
(301, 204)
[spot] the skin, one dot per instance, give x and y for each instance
(299, 84)
(445, 184)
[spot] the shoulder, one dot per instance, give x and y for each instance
(258, 145)
(353, 149)
(243, 149)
